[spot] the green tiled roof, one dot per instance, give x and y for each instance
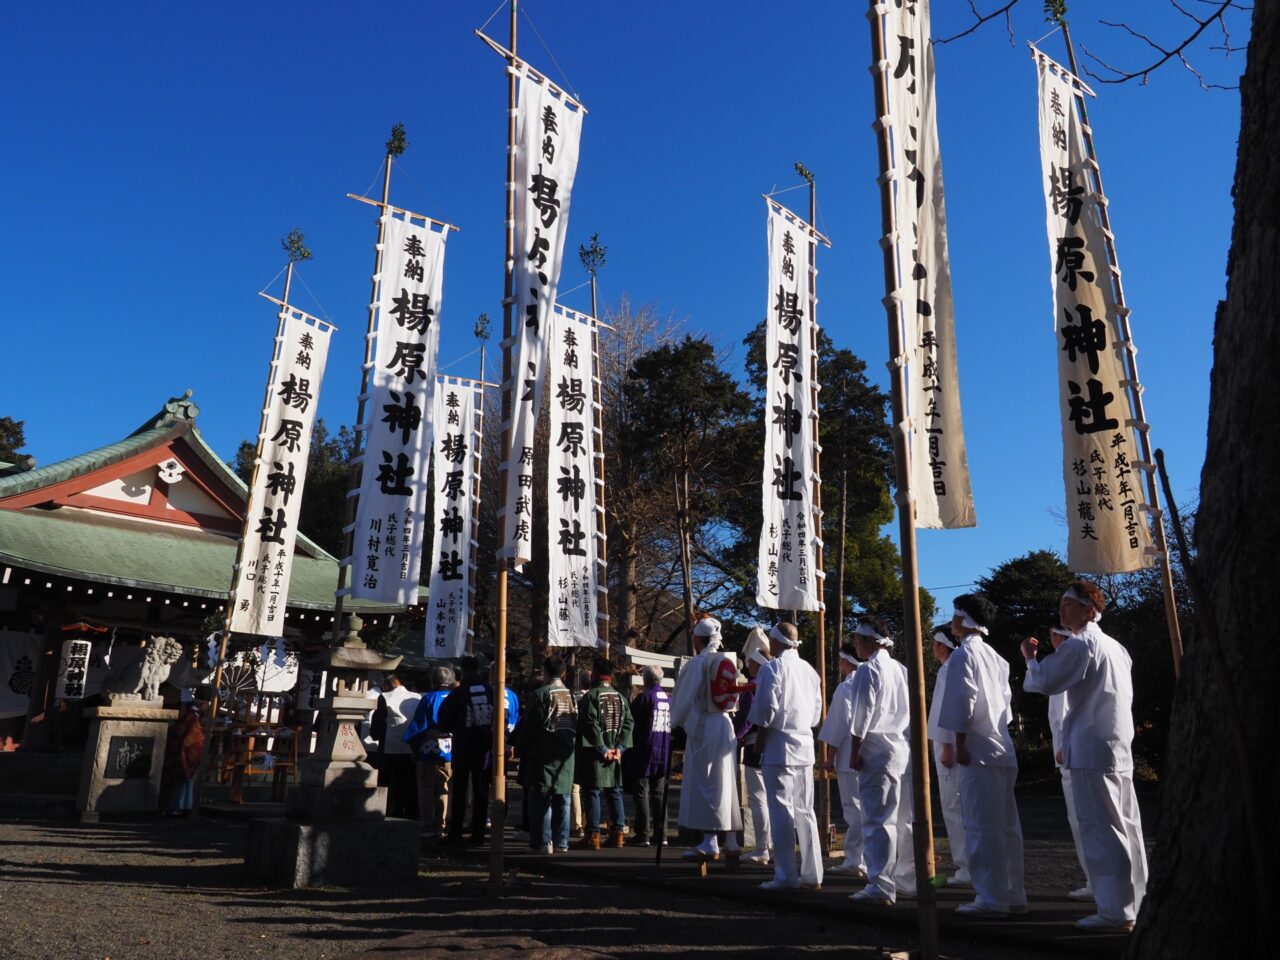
(131, 553)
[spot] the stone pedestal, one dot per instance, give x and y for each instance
(124, 758)
(336, 832)
(340, 853)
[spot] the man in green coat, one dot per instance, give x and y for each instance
(604, 731)
(545, 742)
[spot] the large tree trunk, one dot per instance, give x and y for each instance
(628, 589)
(1203, 899)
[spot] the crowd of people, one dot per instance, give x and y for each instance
(583, 750)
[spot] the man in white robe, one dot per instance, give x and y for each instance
(976, 708)
(1094, 671)
(835, 733)
(879, 716)
(787, 706)
(944, 763)
(1058, 713)
(709, 790)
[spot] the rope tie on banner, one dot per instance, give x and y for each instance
(1146, 466)
(1140, 425)
(1133, 385)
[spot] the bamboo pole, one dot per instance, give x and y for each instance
(602, 527)
(498, 795)
(232, 594)
(1134, 384)
(479, 385)
(358, 441)
(824, 797)
(927, 905)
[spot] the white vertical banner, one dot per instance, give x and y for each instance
(939, 466)
(787, 577)
(548, 126)
(1108, 533)
(573, 540)
(261, 584)
(457, 500)
(386, 542)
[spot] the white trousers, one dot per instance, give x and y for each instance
(1074, 821)
(993, 835)
(791, 820)
(952, 813)
(1111, 834)
(852, 804)
(886, 829)
(758, 804)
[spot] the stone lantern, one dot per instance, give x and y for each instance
(335, 831)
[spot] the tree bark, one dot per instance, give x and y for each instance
(1202, 900)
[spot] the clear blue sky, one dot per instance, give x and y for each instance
(156, 153)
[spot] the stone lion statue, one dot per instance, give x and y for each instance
(162, 653)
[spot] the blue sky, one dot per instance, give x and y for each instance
(155, 154)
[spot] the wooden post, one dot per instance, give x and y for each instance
(1133, 384)
(498, 795)
(359, 444)
(922, 822)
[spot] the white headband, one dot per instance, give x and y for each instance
(759, 656)
(782, 638)
(940, 636)
(866, 630)
(848, 658)
(708, 627)
(967, 621)
(1074, 594)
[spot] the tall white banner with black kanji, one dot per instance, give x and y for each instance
(1108, 531)
(573, 499)
(456, 429)
(386, 543)
(261, 583)
(939, 467)
(787, 577)
(548, 126)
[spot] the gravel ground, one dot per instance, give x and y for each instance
(170, 890)
(165, 889)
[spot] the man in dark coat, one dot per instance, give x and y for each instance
(545, 741)
(467, 714)
(604, 731)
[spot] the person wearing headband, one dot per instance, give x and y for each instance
(709, 791)
(976, 708)
(786, 708)
(944, 765)
(835, 733)
(604, 731)
(879, 714)
(755, 654)
(1095, 673)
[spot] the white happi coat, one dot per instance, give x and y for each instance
(977, 702)
(835, 733)
(947, 777)
(880, 715)
(1094, 671)
(709, 791)
(786, 708)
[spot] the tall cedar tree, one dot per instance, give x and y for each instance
(686, 419)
